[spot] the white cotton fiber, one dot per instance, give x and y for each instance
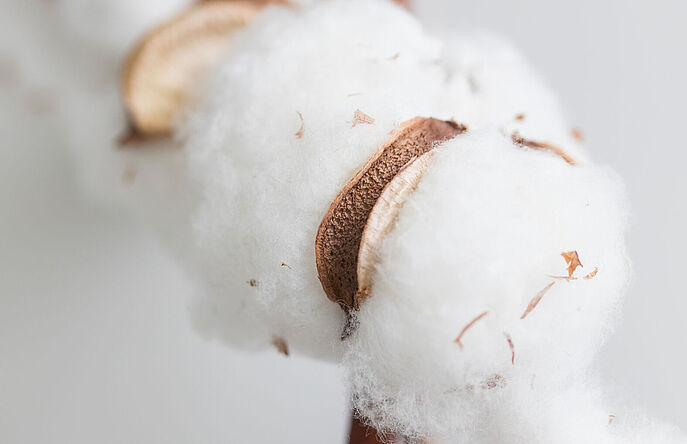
(483, 232)
(264, 190)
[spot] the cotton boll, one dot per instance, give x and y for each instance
(265, 178)
(484, 232)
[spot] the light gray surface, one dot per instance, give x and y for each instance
(95, 344)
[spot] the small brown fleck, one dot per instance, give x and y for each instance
(467, 327)
(610, 419)
(301, 130)
(535, 300)
(360, 117)
(252, 282)
(520, 117)
(493, 382)
(512, 347)
(577, 134)
(281, 345)
(592, 274)
(284, 264)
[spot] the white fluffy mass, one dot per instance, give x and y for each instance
(263, 185)
(484, 233)
(264, 190)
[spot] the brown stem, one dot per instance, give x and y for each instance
(362, 434)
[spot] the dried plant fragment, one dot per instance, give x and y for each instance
(162, 72)
(338, 240)
(592, 274)
(517, 139)
(610, 419)
(535, 300)
(281, 345)
(520, 117)
(573, 261)
(354, 94)
(577, 134)
(284, 264)
(512, 347)
(493, 382)
(382, 218)
(252, 282)
(467, 327)
(360, 117)
(301, 130)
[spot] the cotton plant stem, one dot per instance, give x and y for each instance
(362, 434)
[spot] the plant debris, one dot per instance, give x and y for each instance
(360, 117)
(517, 139)
(494, 381)
(252, 282)
(467, 327)
(520, 117)
(573, 261)
(592, 274)
(281, 345)
(535, 300)
(301, 130)
(610, 419)
(284, 264)
(512, 347)
(577, 134)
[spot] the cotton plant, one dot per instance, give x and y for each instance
(341, 183)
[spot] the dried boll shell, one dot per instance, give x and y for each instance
(339, 236)
(161, 73)
(382, 218)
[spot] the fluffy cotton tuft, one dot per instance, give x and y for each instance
(265, 181)
(484, 232)
(265, 178)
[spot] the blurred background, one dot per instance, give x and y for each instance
(95, 340)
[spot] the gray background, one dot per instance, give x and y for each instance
(95, 344)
